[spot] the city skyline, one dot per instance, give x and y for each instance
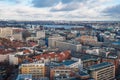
(86, 10)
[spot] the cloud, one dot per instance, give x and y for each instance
(59, 9)
(113, 11)
(65, 7)
(68, 5)
(50, 3)
(67, 1)
(45, 3)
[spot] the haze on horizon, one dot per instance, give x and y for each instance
(88, 10)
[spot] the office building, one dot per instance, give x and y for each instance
(24, 77)
(9, 32)
(13, 60)
(102, 71)
(52, 40)
(36, 69)
(60, 73)
(87, 39)
(69, 45)
(36, 35)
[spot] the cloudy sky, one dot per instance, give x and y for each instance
(82, 10)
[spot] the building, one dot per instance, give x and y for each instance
(53, 56)
(87, 39)
(69, 45)
(60, 73)
(4, 57)
(113, 61)
(102, 71)
(40, 34)
(17, 36)
(36, 35)
(36, 69)
(3, 72)
(24, 77)
(5, 32)
(87, 60)
(13, 60)
(95, 51)
(73, 64)
(8, 32)
(52, 40)
(83, 75)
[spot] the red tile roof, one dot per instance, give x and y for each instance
(60, 56)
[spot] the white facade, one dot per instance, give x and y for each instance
(9, 32)
(40, 34)
(93, 51)
(4, 57)
(78, 64)
(24, 77)
(68, 46)
(18, 36)
(33, 65)
(5, 32)
(13, 60)
(52, 40)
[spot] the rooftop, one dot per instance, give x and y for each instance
(72, 42)
(87, 57)
(24, 77)
(83, 73)
(100, 66)
(68, 62)
(75, 79)
(65, 63)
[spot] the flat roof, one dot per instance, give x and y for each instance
(100, 66)
(24, 76)
(85, 58)
(72, 42)
(83, 73)
(68, 62)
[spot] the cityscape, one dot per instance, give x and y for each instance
(59, 40)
